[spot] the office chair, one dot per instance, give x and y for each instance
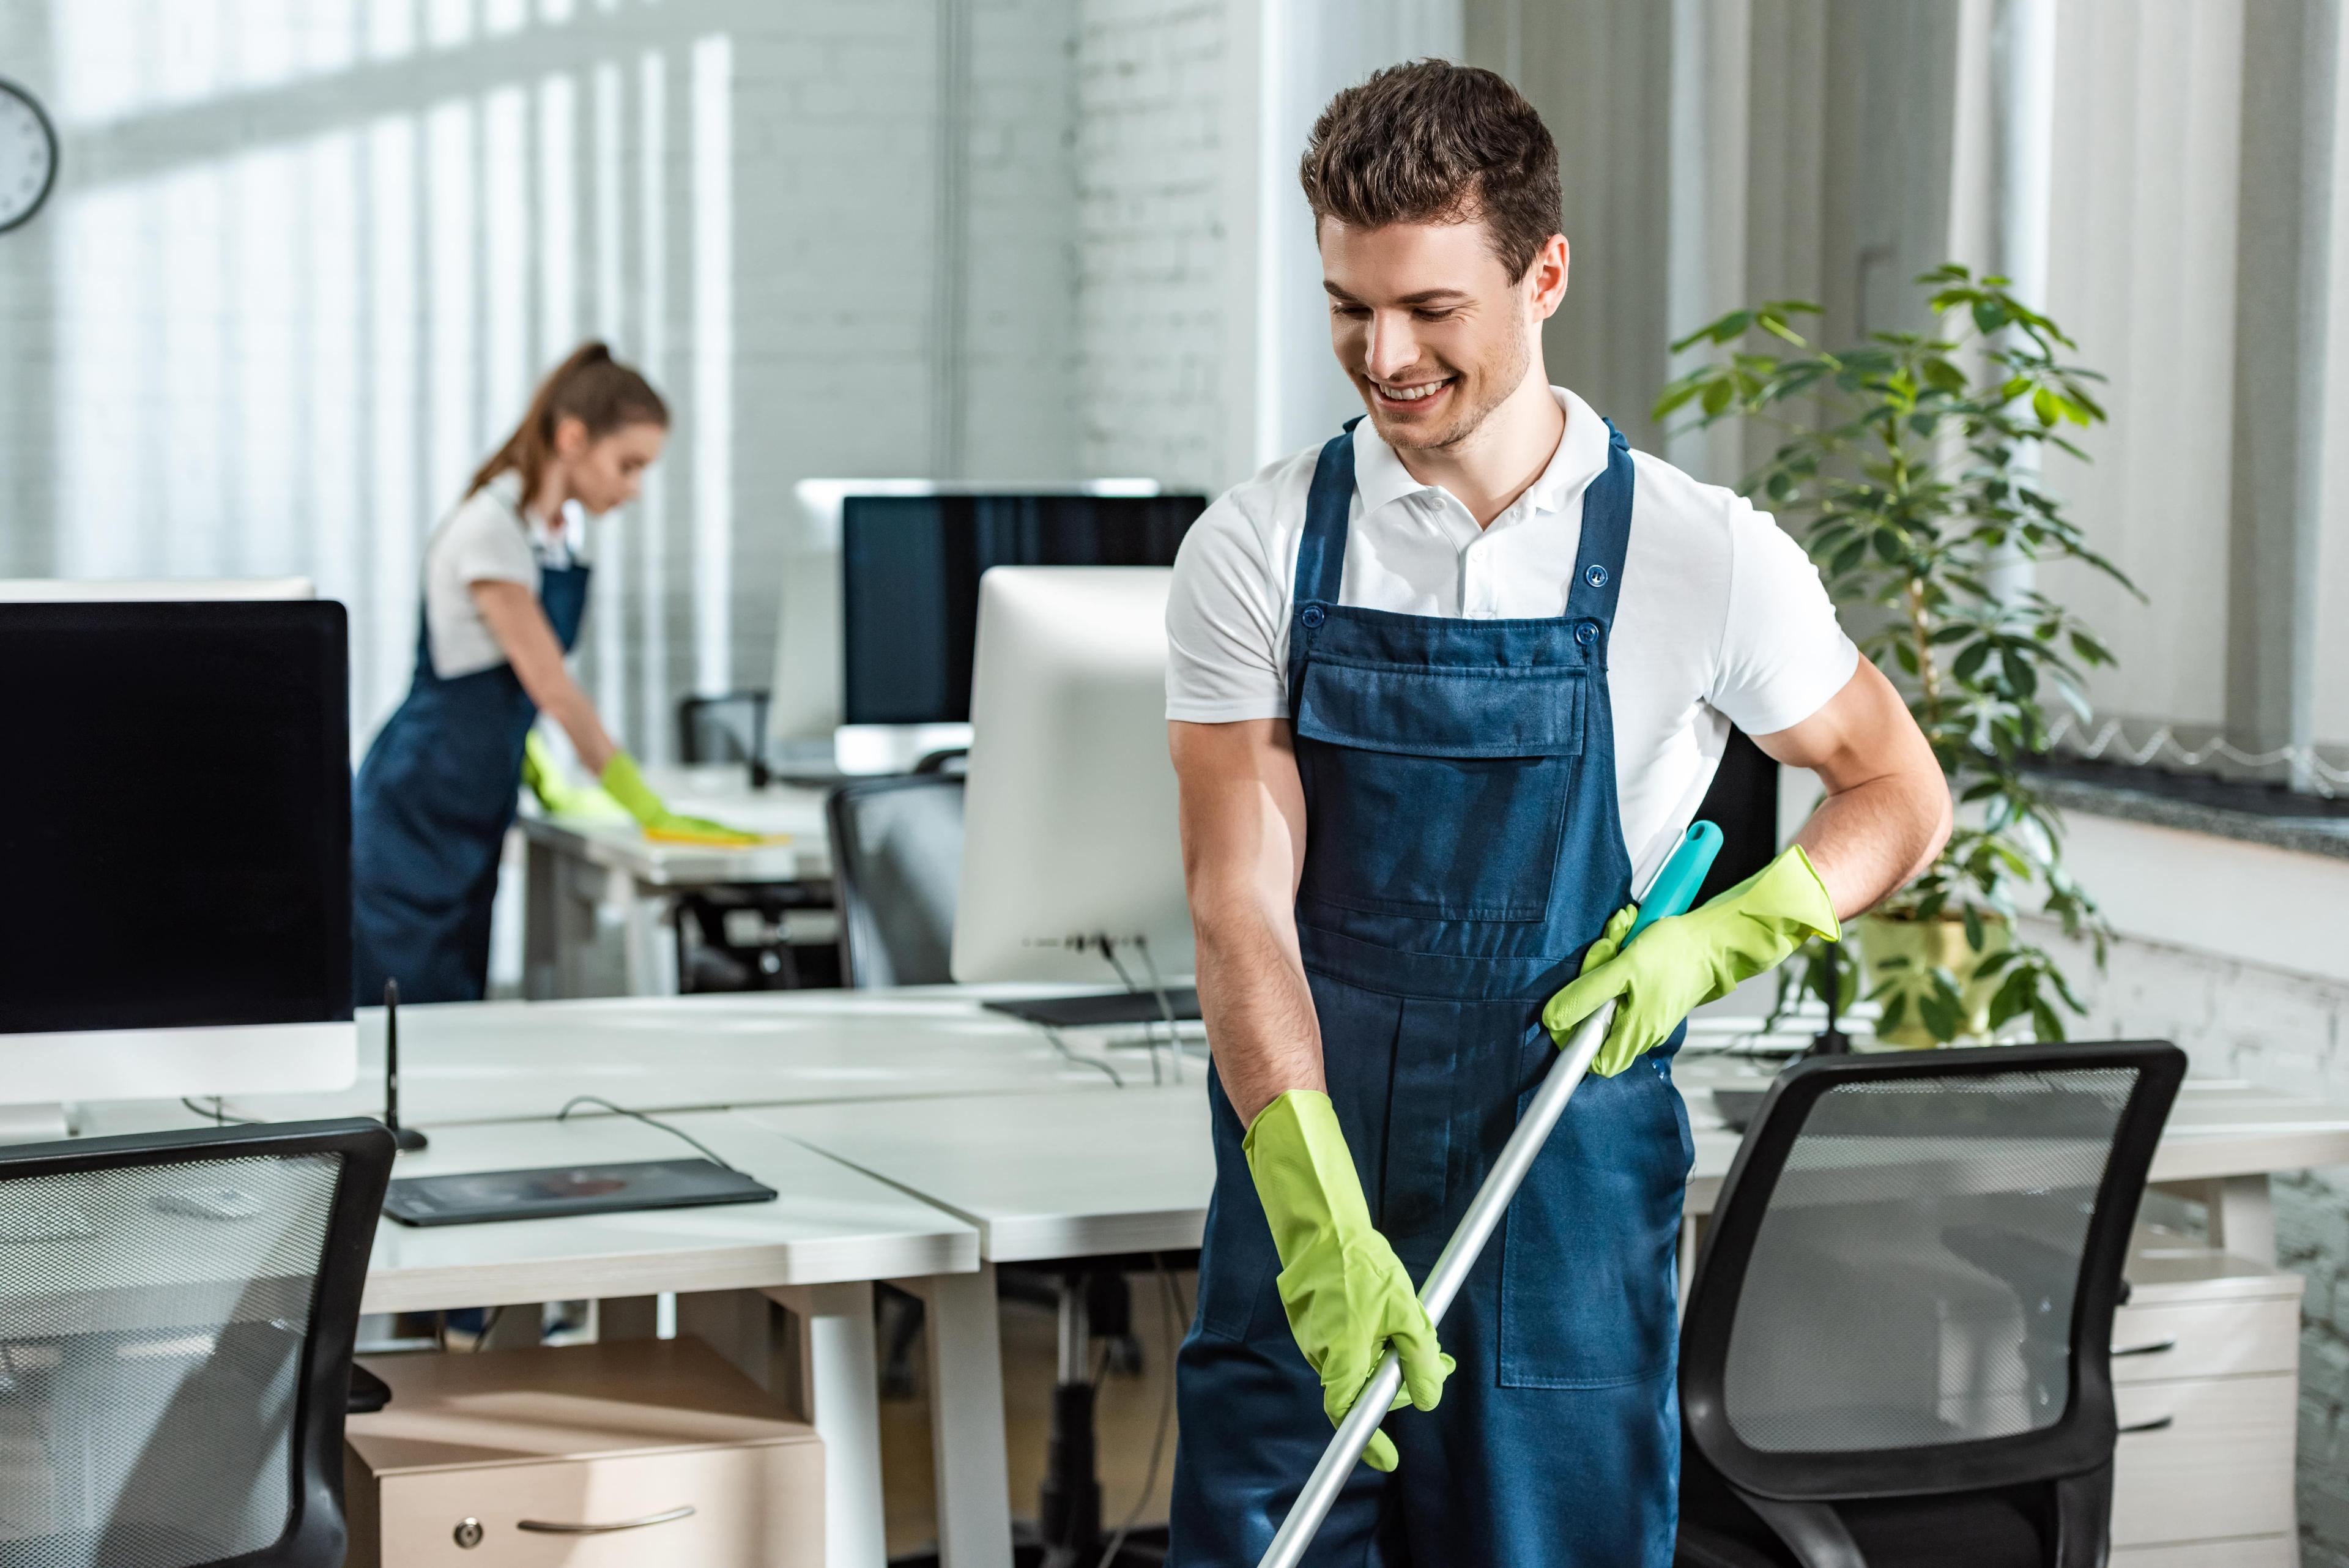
(1896, 1345)
(897, 861)
(176, 1318)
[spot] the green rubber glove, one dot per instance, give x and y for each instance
(625, 783)
(557, 793)
(1684, 960)
(1346, 1293)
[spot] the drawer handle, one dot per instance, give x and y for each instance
(2155, 1348)
(544, 1527)
(2158, 1424)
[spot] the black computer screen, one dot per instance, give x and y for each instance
(175, 814)
(909, 582)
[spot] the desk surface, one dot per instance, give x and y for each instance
(1052, 1175)
(722, 793)
(829, 1224)
(508, 1061)
(1041, 1176)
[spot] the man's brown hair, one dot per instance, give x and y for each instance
(1433, 142)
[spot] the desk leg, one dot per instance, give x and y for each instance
(542, 921)
(652, 962)
(2242, 1220)
(967, 1419)
(834, 1383)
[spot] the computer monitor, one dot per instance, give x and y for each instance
(132, 591)
(881, 587)
(1069, 813)
(175, 834)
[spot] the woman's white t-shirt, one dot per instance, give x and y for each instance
(1721, 618)
(488, 538)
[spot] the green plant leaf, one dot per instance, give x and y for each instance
(1895, 1010)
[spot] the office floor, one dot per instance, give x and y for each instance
(1125, 1419)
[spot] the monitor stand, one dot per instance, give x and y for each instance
(862, 749)
(34, 1124)
(1107, 1009)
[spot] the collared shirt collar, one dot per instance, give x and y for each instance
(1380, 478)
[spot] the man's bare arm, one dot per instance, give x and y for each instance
(1887, 812)
(1243, 819)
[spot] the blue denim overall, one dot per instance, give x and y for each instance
(429, 814)
(1462, 850)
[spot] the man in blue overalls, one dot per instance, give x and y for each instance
(1442, 694)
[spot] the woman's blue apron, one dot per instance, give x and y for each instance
(429, 814)
(1462, 850)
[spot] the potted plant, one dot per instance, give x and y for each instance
(1909, 465)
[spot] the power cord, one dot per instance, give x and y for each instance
(219, 1114)
(577, 1100)
(1176, 1316)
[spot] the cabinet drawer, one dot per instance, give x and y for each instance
(2222, 1466)
(2266, 1551)
(2215, 1339)
(753, 1507)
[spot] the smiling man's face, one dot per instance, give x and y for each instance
(1428, 323)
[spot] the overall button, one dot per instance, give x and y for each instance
(1595, 575)
(1586, 632)
(1312, 616)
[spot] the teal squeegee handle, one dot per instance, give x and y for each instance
(1674, 888)
(1673, 891)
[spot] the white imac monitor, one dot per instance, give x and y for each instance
(881, 585)
(1068, 816)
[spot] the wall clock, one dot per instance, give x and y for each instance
(28, 156)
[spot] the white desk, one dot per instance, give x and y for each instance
(576, 868)
(1044, 1176)
(507, 1061)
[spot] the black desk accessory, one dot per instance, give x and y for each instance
(556, 1192)
(407, 1140)
(1832, 1041)
(1109, 1008)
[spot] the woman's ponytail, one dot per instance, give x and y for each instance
(591, 387)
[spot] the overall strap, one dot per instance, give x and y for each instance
(1606, 532)
(1321, 552)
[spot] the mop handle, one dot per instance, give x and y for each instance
(1673, 891)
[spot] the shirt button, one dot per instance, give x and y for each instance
(1595, 575)
(1586, 632)
(1312, 616)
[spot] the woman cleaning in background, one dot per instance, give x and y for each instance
(503, 601)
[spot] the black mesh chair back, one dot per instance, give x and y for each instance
(732, 728)
(1909, 1285)
(896, 863)
(176, 1318)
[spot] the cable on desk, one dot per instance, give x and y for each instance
(1053, 1035)
(1165, 1004)
(1109, 950)
(577, 1100)
(219, 1114)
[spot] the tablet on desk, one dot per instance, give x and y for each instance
(480, 1197)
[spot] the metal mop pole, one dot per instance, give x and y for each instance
(1673, 891)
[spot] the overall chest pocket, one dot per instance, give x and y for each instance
(1437, 793)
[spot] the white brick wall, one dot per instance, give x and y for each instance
(2289, 1033)
(305, 264)
(1150, 238)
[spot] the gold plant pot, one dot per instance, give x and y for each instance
(1929, 945)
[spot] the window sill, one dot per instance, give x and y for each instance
(2249, 814)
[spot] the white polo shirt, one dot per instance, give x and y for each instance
(1721, 617)
(488, 538)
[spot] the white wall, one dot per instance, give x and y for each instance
(2142, 235)
(305, 260)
